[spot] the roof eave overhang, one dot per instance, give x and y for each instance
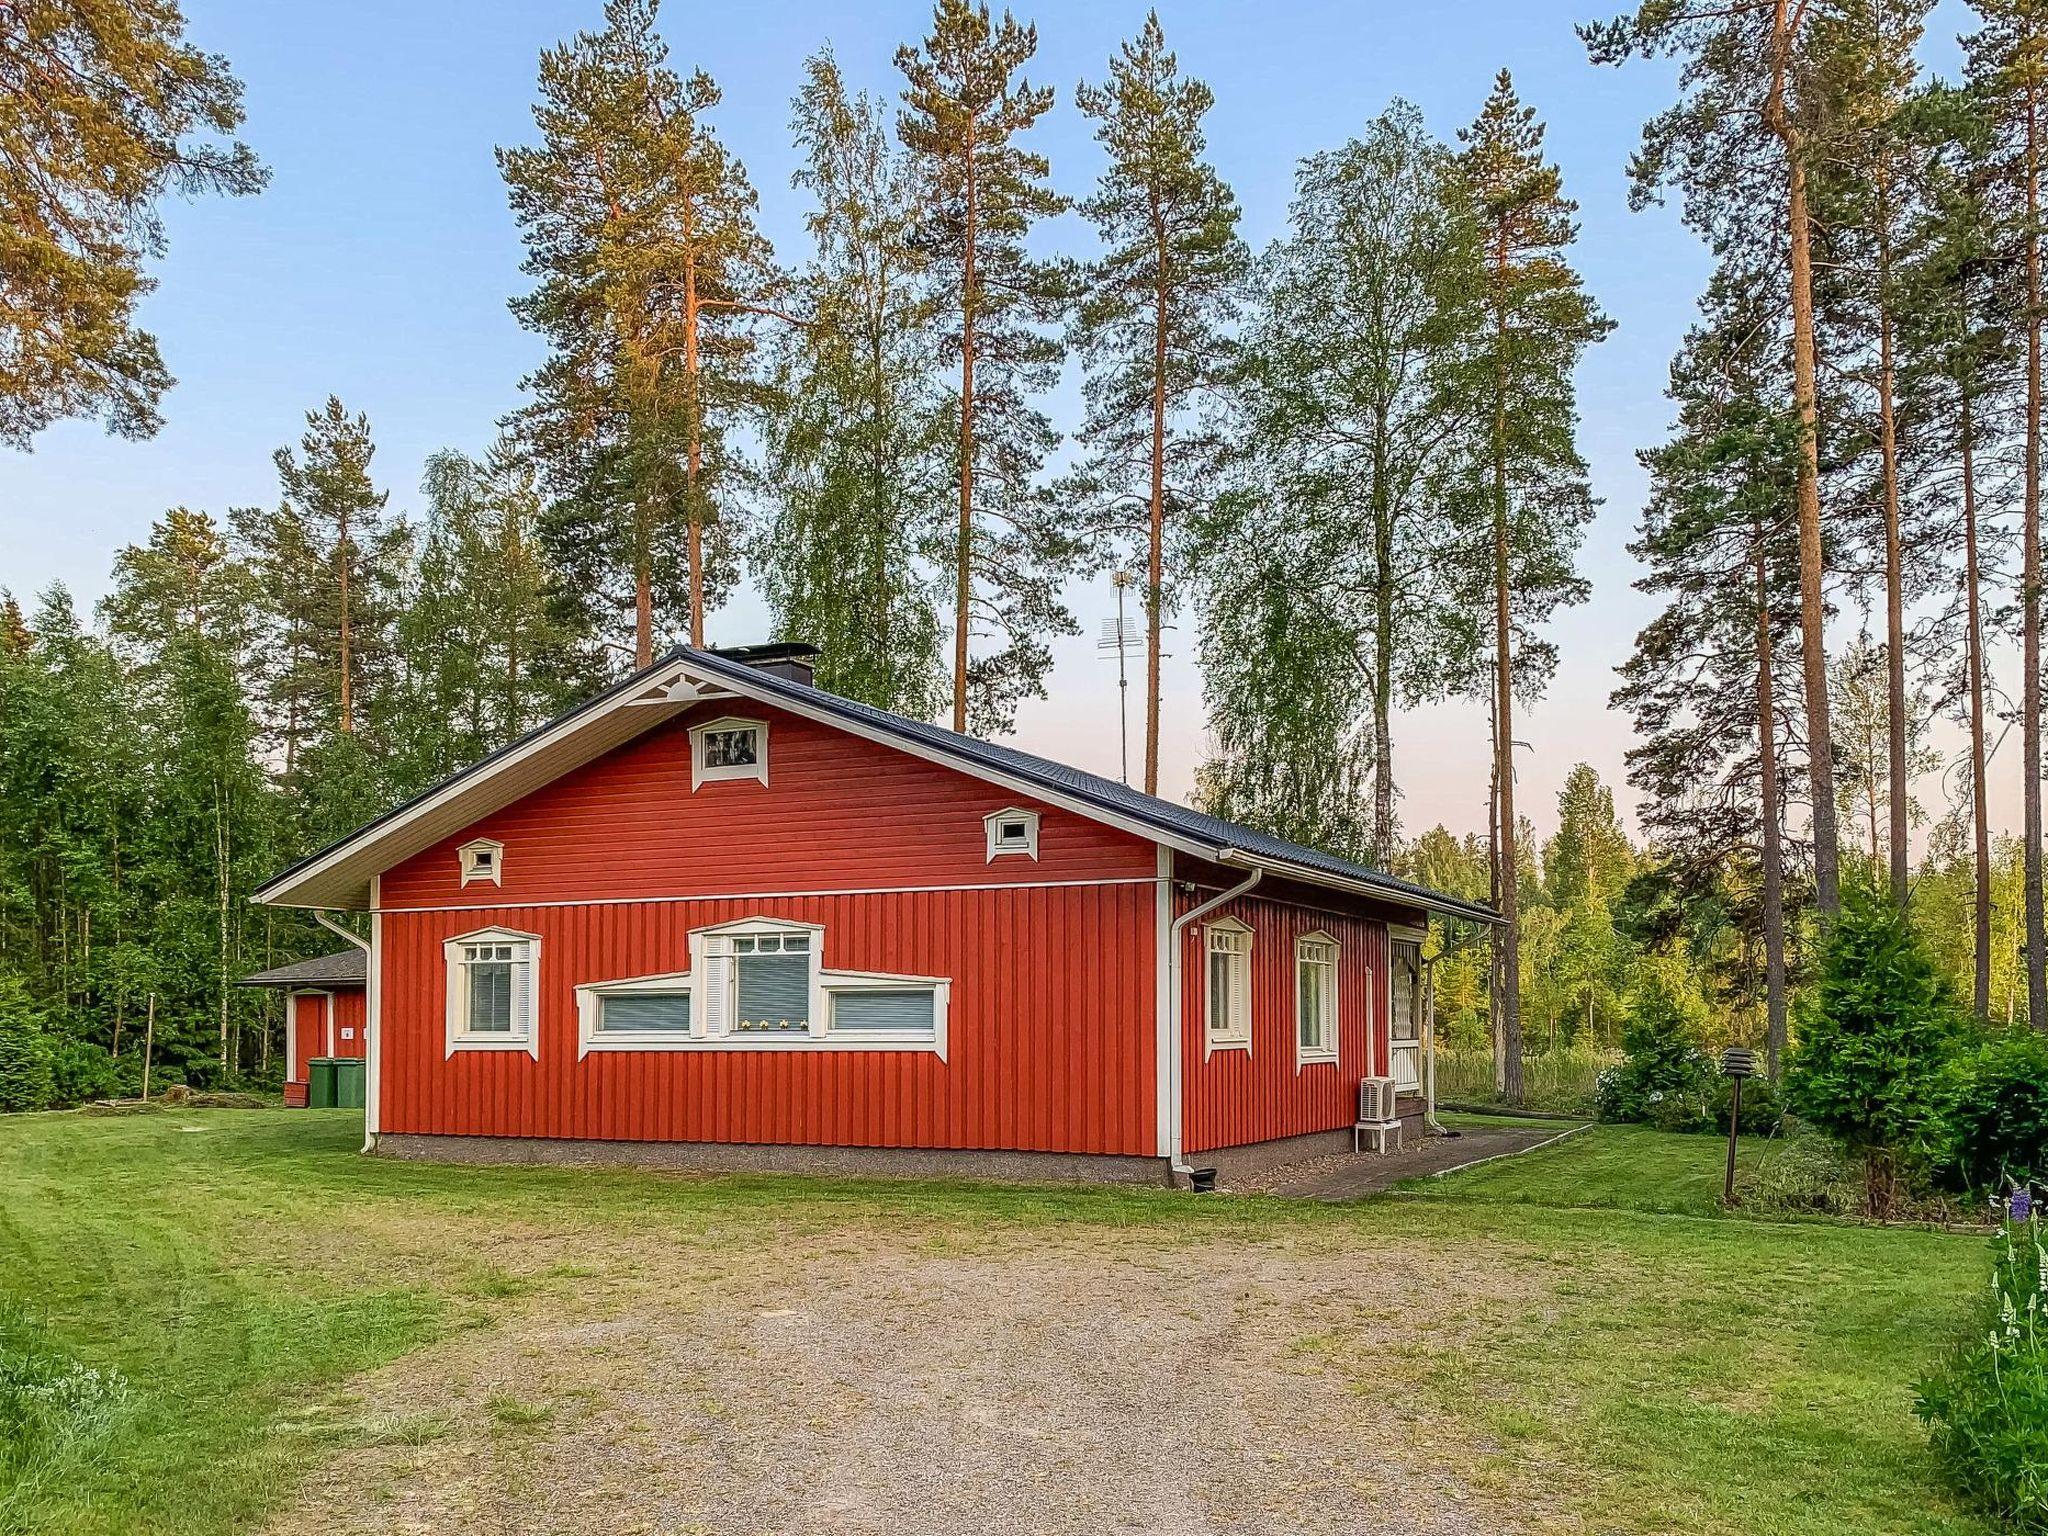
(1397, 896)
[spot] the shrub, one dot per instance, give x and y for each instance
(80, 1070)
(1803, 1174)
(1987, 1412)
(1763, 1107)
(24, 1051)
(1876, 1036)
(1994, 1114)
(1662, 1062)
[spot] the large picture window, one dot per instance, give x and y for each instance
(761, 984)
(491, 991)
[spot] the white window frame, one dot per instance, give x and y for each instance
(1405, 1053)
(1239, 1036)
(1002, 847)
(1332, 1032)
(525, 1039)
(700, 775)
(491, 868)
(713, 980)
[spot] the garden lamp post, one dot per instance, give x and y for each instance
(1737, 1062)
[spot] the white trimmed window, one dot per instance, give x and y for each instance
(1228, 999)
(1315, 999)
(760, 984)
(1406, 1008)
(1011, 832)
(492, 984)
(482, 859)
(728, 749)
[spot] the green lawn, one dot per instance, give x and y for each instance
(1633, 1361)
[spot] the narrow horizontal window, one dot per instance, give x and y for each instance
(644, 1013)
(895, 1011)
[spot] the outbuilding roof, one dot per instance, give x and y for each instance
(344, 968)
(338, 875)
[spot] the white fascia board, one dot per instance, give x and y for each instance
(657, 688)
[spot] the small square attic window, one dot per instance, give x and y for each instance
(728, 749)
(483, 859)
(1011, 831)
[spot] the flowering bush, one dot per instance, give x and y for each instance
(1987, 1413)
(1662, 1062)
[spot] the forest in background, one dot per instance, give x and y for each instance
(1352, 458)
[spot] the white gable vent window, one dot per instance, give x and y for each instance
(1011, 831)
(492, 984)
(483, 859)
(728, 749)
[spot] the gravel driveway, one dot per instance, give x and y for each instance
(913, 1382)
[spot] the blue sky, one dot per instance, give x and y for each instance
(377, 265)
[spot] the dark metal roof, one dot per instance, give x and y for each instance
(344, 968)
(1118, 799)
(1112, 798)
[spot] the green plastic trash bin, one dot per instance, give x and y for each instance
(348, 1082)
(320, 1082)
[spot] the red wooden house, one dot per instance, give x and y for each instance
(717, 917)
(324, 1012)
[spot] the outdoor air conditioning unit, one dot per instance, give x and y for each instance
(1378, 1100)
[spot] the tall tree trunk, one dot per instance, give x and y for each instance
(2030, 584)
(1894, 557)
(1384, 598)
(963, 558)
(1155, 553)
(1504, 707)
(693, 455)
(1812, 612)
(1773, 836)
(1980, 816)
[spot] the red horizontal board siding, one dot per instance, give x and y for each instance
(1234, 1097)
(1050, 1033)
(837, 813)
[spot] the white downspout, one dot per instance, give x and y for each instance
(1176, 1155)
(333, 927)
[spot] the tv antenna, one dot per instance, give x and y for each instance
(1119, 635)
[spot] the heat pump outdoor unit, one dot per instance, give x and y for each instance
(1378, 1113)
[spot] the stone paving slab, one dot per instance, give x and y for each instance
(1345, 1176)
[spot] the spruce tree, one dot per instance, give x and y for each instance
(1155, 311)
(853, 551)
(966, 108)
(650, 274)
(105, 107)
(1538, 323)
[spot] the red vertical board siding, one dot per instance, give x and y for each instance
(1236, 1097)
(349, 1033)
(1050, 1033)
(309, 1030)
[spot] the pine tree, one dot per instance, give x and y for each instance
(104, 108)
(1740, 145)
(25, 1082)
(1867, 192)
(966, 108)
(1539, 322)
(2008, 66)
(851, 555)
(1354, 408)
(1154, 314)
(640, 230)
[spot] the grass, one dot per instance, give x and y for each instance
(1636, 1361)
(1560, 1081)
